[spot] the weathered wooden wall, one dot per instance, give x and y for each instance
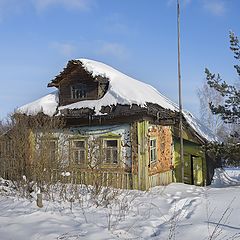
(115, 178)
(134, 145)
(143, 154)
(163, 136)
(96, 87)
(93, 135)
(144, 173)
(79, 76)
(162, 178)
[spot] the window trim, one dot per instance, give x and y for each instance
(71, 161)
(72, 149)
(103, 148)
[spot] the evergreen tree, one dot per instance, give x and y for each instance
(229, 110)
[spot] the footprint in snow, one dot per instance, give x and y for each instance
(72, 235)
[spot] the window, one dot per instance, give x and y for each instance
(79, 151)
(48, 152)
(79, 91)
(52, 151)
(153, 150)
(111, 151)
(1, 149)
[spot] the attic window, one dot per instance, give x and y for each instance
(79, 91)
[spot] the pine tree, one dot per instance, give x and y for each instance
(230, 109)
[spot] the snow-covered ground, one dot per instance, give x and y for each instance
(177, 211)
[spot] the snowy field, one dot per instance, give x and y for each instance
(177, 211)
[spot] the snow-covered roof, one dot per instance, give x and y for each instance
(47, 104)
(199, 128)
(122, 90)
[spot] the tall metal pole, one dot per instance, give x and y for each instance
(180, 95)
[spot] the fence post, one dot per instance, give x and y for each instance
(39, 200)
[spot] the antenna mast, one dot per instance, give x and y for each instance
(180, 95)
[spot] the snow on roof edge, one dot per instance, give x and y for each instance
(199, 128)
(47, 104)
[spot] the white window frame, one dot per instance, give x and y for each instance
(111, 149)
(79, 151)
(153, 150)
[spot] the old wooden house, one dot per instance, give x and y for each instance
(121, 127)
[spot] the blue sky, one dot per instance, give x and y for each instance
(138, 37)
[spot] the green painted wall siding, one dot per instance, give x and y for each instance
(194, 163)
(143, 157)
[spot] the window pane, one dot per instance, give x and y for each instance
(52, 151)
(115, 155)
(79, 144)
(108, 156)
(76, 156)
(111, 151)
(78, 151)
(82, 156)
(111, 143)
(154, 155)
(79, 91)
(52, 144)
(1, 149)
(153, 143)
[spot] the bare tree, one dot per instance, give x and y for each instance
(206, 95)
(41, 152)
(30, 149)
